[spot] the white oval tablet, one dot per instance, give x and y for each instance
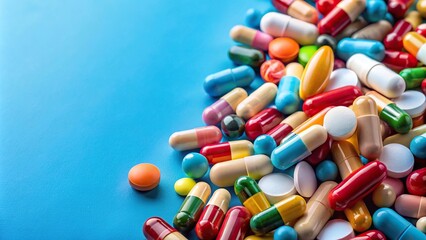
(413, 102)
(305, 179)
(277, 186)
(340, 122)
(337, 229)
(342, 77)
(398, 159)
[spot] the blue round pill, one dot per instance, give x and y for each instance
(326, 171)
(418, 146)
(264, 144)
(285, 233)
(253, 17)
(195, 165)
(375, 10)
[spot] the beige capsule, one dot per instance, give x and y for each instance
(257, 101)
(405, 139)
(375, 31)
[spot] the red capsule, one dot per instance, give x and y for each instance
(262, 122)
(393, 41)
(398, 8)
(357, 185)
(320, 153)
(398, 61)
(156, 228)
(424, 86)
(236, 224)
(370, 235)
(416, 182)
(343, 96)
(280, 131)
(421, 29)
(325, 6)
(227, 151)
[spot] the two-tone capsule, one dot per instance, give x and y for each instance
(246, 56)
(395, 226)
(250, 195)
(415, 44)
(156, 228)
(287, 99)
(220, 83)
(257, 100)
(195, 138)
(251, 37)
(227, 151)
(235, 225)
(297, 9)
(284, 128)
(262, 122)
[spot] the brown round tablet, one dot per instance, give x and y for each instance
(144, 177)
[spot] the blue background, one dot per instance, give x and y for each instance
(90, 89)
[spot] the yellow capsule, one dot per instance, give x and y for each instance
(414, 43)
(414, 18)
(317, 119)
(257, 100)
(316, 74)
(421, 7)
(359, 216)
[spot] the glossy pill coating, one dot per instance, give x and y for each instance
(195, 138)
(325, 6)
(320, 153)
(336, 229)
(394, 226)
(384, 195)
(414, 43)
(421, 224)
(224, 174)
(281, 25)
(412, 102)
(262, 122)
(144, 177)
(156, 228)
(317, 214)
(272, 71)
(421, 29)
(279, 214)
(277, 186)
(416, 182)
(213, 215)
(195, 165)
(326, 40)
(346, 157)
(393, 41)
(350, 46)
(305, 180)
(317, 72)
(183, 186)
(305, 53)
(326, 171)
(343, 96)
(250, 195)
(264, 144)
(251, 37)
(389, 112)
(411, 206)
(220, 83)
(253, 17)
(413, 77)
(370, 235)
(297, 9)
(397, 60)
(376, 31)
(340, 17)
(357, 185)
(240, 55)
(369, 136)
(284, 128)
(375, 75)
(294, 149)
(421, 7)
(226, 105)
(398, 8)
(285, 233)
(221, 152)
(375, 10)
(405, 139)
(235, 225)
(418, 146)
(316, 119)
(284, 49)
(355, 26)
(341, 78)
(257, 101)
(414, 18)
(232, 126)
(340, 122)
(192, 207)
(287, 99)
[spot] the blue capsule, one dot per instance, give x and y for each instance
(264, 144)
(418, 146)
(287, 99)
(220, 83)
(375, 10)
(351, 46)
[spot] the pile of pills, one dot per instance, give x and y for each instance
(331, 146)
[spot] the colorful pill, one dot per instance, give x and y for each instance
(262, 122)
(394, 226)
(416, 182)
(286, 126)
(369, 135)
(317, 119)
(336, 229)
(144, 177)
(232, 126)
(320, 153)
(355, 26)
(294, 149)
(405, 139)
(375, 10)
(357, 185)
(393, 41)
(389, 112)
(414, 18)
(377, 76)
(156, 228)
(305, 180)
(398, 8)
(257, 101)
(317, 214)
(411, 206)
(251, 37)
(375, 31)
(370, 235)
(272, 71)
(418, 146)
(250, 195)
(385, 194)
(340, 17)
(227, 151)
(414, 43)
(317, 72)
(226, 105)
(297, 9)
(341, 78)
(281, 25)
(413, 76)
(279, 214)
(191, 209)
(349, 46)
(325, 6)
(326, 40)
(340, 122)
(236, 224)
(222, 82)
(412, 102)
(213, 215)
(195, 138)
(284, 49)
(277, 186)
(397, 60)
(264, 144)
(421, 224)
(287, 99)
(246, 56)
(421, 7)
(343, 96)
(305, 53)
(421, 29)
(224, 174)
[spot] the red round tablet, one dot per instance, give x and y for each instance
(284, 49)
(144, 177)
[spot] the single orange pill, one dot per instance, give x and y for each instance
(144, 177)
(284, 49)
(272, 71)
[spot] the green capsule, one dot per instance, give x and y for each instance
(413, 77)
(250, 195)
(305, 53)
(246, 56)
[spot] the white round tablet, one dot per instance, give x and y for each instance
(305, 179)
(398, 159)
(337, 229)
(277, 186)
(340, 122)
(413, 102)
(342, 77)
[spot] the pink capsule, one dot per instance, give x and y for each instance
(226, 105)
(251, 37)
(195, 138)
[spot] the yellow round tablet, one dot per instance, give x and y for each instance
(184, 185)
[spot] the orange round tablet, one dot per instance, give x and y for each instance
(284, 49)
(144, 177)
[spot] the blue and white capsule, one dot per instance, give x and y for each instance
(418, 146)
(220, 83)
(375, 10)
(287, 99)
(296, 147)
(347, 47)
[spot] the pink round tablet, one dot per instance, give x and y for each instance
(305, 180)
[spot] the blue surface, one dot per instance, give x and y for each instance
(90, 89)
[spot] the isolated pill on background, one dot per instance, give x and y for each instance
(375, 31)
(241, 55)
(235, 225)
(416, 182)
(250, 195)
(226, 105)
(227, 151)
(297, 9)
(341, 78)
(220, 83)
(411, 206)
(156, 228)
(251, 37)
(350, 46)
(195, 138)
(262, 122)
(340, 122)
(414, 43)
(257, 101)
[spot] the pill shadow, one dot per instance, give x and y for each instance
(151, 194)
